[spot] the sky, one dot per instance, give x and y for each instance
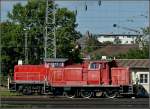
(132, 14)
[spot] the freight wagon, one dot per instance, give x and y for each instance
(102, 78)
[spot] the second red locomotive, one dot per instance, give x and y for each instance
(87, 79)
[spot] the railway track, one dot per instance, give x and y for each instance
(60, 102)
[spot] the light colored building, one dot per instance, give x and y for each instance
(124, 38)
(139, 70)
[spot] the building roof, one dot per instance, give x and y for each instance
(112, 50)
(133, 35)
(133, 63)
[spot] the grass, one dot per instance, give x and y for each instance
(15, 106)
(4, 92)
(3, 80)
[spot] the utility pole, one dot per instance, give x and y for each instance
(50, 29)
(26, 48)
(54, 33)
(149, 28)
(46, 22)
(149, 46)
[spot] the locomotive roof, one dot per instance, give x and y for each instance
(55, 59)
(102, 60)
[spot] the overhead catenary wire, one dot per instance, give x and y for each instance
(96, 19)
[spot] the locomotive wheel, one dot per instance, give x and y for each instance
(86, 94)
(27, 91)
(99, 94)
(70, 94)
(111, 93)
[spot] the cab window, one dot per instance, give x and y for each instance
(57, 64)
(94, 66)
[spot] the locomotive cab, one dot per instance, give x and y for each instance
(99, 72)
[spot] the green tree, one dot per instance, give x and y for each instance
(12, 45)
(107, 43)
(66, 33)
(117, 40)
(32, 17)
(146, 30)
(135, 54)
(33, 14)
(92, 44)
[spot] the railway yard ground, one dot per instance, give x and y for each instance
(15, 100)
(73, 103)
(61, 102)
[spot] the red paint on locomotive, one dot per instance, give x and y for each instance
(87, 73)
(30, 73)
(120, 76)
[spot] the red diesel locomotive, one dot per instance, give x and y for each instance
(59, 77)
